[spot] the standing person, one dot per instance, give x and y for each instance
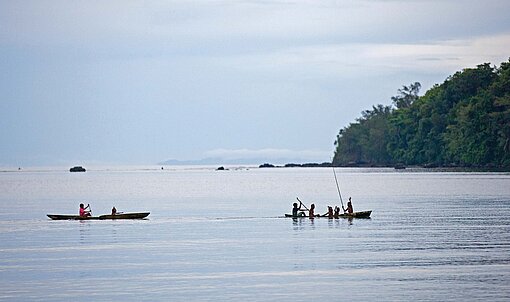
(114, 211)
(83, 210)
(349, 207)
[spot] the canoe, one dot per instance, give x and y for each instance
(363, 214)
(125, 216)
(102, 217)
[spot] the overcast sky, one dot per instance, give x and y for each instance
(140, 82)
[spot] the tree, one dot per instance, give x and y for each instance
(365, 142)
(465, 120)
(407, 95)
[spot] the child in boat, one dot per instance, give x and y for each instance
(311, 212)
(349, 207)
(83, 210)
(337, 212)
(329, 214)
(296, 209)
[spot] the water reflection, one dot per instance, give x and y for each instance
(300, 223)
(84, 229)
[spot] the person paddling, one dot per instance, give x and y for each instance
(83, 210)
(349, 207)
(296, 209)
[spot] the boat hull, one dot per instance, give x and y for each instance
(102, 217)
(363, 214)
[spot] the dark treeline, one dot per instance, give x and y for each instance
(464, 122)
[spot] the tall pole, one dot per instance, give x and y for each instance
(338, 188)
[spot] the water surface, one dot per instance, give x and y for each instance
(219, 235)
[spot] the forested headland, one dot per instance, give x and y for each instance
(463, 122)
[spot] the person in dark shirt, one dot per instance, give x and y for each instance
(296, 210)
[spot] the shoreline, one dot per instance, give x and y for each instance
(400, 167)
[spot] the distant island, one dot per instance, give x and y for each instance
(223, 161)
(463, 122)
(292, 165)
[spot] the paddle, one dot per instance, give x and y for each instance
(302, 204)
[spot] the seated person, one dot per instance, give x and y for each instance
(329, 214)
(83, 210)
(349, 207)
(296, 210)
(336, 214)
(311, 212)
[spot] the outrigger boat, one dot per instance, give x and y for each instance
(364, 214)
(101, 217)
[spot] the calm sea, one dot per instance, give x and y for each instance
(219, 236)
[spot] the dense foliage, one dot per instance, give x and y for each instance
(465, 121)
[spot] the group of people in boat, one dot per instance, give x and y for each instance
(297, 211)
(86, 212)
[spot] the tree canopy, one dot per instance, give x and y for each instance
(465, 121)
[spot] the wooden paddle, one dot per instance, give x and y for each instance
(301, 203)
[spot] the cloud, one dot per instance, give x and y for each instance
(362, 59)
(175, 24)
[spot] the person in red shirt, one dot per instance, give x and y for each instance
(83, 210)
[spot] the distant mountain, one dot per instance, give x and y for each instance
(237, 161)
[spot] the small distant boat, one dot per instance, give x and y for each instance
(77, 169)
(102, 217)
(363, 214)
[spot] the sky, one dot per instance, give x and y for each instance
(142, 82)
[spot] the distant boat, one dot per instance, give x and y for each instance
(77, 169)
(400, 167)
(102, 217)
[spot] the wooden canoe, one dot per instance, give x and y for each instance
(102, 217)
(363, 214)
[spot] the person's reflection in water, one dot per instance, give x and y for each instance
(84, 225)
